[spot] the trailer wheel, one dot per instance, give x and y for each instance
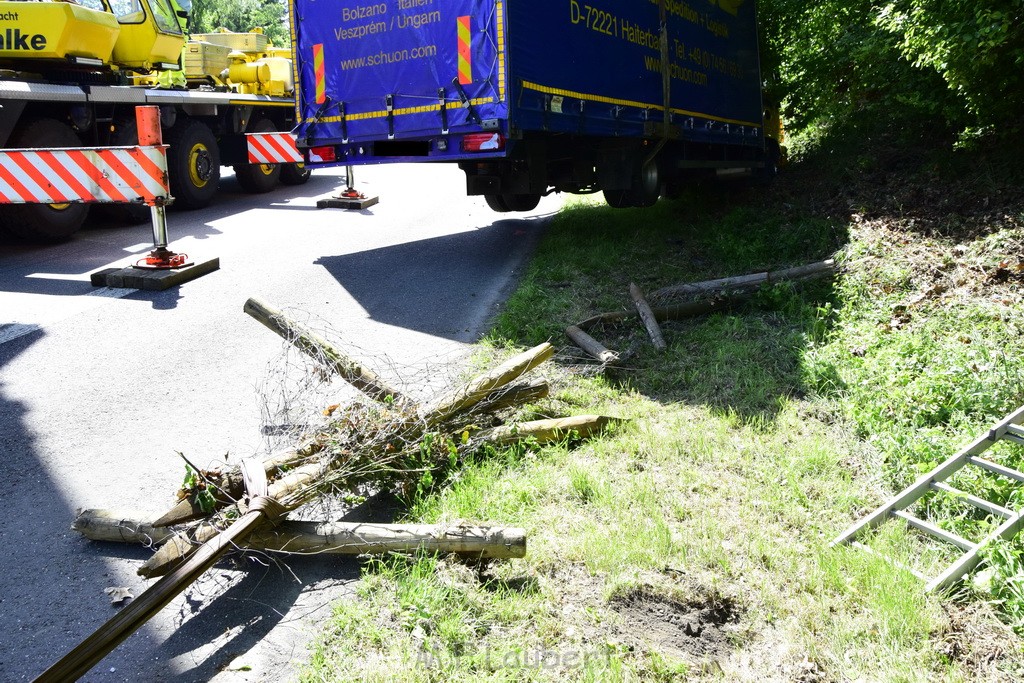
(645, 190)
(259, 178)
(647, 187)
(521, 202)
(504, 203)
(772, 159)
(497, 203)
(44, 222)
(618, 199)
(193, 164)
(295, 174)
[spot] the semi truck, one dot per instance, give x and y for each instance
(632, 98)
(72, 73)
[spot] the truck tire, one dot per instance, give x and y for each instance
(259, 178)
(644, 192)
(772, 159)
(618, 199)
(295, 174)
(647, 187)
(521, 202)
(497, 203)
(193, 164)
(504, 203)
(44, 222)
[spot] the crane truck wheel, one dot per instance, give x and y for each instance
(295, 174)
(193, 164)
(44, 222)
(259, 178)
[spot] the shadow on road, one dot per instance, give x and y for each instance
(46, 565)
(103, 242)
(430, 284)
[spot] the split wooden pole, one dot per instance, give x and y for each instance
(591, 345)
(334, 538)
(467, 396)
(230, 487)
(745, 282)
(90, 651)
(546, 431)
(320, 350)
(643, 309)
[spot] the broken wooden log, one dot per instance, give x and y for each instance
(304, 482)
(290, 491)
(546, 431)
(680, 311)
(337, 538)
(591, 345)
(90, 651)
(513, 395)
(320, 350)
(229, 487)
(746, 282)
(111, 525)
(643, 309)
(476, 390)
(481, 542)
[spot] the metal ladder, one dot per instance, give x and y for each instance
(1008, 429)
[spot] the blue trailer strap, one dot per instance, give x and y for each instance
(389, 61)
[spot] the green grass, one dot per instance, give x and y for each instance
(759, 435)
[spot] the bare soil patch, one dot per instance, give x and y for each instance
(696, 630)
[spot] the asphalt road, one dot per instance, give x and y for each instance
(99, 389)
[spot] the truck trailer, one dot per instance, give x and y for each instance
(72, 73)
(632, 98)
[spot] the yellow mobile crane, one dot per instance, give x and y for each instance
(72, 73)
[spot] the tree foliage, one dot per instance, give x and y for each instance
(241, 16)
(910, 62)
(977, 47)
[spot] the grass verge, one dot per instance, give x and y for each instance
(693, 542)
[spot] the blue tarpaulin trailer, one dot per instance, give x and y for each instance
(531, 96)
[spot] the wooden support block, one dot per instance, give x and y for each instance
(152, 280)
(357, 204)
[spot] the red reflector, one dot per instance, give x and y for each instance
(483, 142)
(322, 154)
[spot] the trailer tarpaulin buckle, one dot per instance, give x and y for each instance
(444, 110)
(344, 123)
(464, 98)
(389, 102)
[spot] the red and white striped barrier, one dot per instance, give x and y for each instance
(109, 174)
(273, 148)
